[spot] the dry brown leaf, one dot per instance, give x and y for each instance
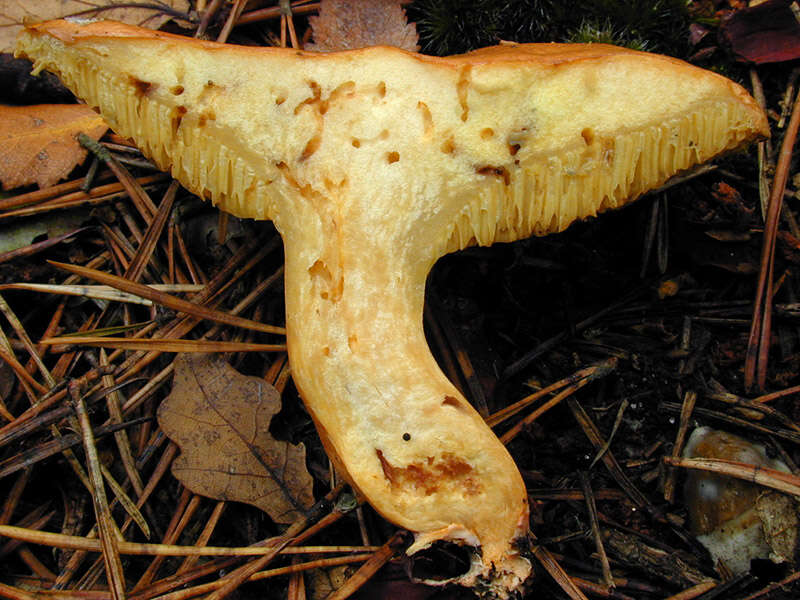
(781, 524)
(220, 419)
(38, 143)
(344, 25)
(14, 12)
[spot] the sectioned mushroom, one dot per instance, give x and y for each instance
(372, 164)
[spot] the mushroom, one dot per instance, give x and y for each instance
(372, 164)
(728, 515)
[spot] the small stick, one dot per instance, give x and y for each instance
(617, 422)
(591, 509)
(771, 478)
(369, 568)
(264, 14)
(32, 249)
(114, 403)
(141, 200)
(774, 586)
(196, 310)
(593, 372)
(156, 227)
(694, 591)
(205, 535)
(164, 345)
(109, 534)
(15, 593)
(42, 195)
(689, 400)
(591, 431)
(758, 343)
(187, 506)
(520, 425)
(280, 571)
(557, 572)
(233, 16)
(232, 581)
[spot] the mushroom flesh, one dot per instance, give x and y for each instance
(372, 164)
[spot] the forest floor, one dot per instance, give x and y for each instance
(634, 330)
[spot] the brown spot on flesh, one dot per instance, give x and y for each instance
(432, 473)
(344, 90)
(462, 88)
(352, 342)
(501, 172)
(451, 401)
(205, 116)
(177, 117)
(311, 147)
(316, 95)
(427, 118)
(142, 88)
(388, 470)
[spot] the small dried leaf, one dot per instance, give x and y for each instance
(766, 33)
(344, 25)
(220, 419)
(152, 14)
(38, 143)
(323, 582)
(779, 519)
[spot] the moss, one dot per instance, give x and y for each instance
(455, 26)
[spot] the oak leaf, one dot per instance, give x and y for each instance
(768, 32)
(38, 143)
(152, 14)
(345, 25)
(220, 419)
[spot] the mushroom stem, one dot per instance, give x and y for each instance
(356, 339)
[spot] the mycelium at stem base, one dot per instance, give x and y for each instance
(373, 163)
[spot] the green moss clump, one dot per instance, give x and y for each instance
(456, 26)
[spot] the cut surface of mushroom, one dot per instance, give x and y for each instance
(372, 164)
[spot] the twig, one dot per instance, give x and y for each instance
(694, 592)
(555, 570)
(32, 249)
(164, 345)
(591, 431)
(114, 403)
(109, 534)
(591, 509)
(272, 12)
(196, 310)
(689, 399)
(141, 200)
(146, 248)
(593, 372)
(791, 578)
(757, 357)
(771, 478)
(369, 568)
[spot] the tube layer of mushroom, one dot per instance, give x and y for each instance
(373, 163)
